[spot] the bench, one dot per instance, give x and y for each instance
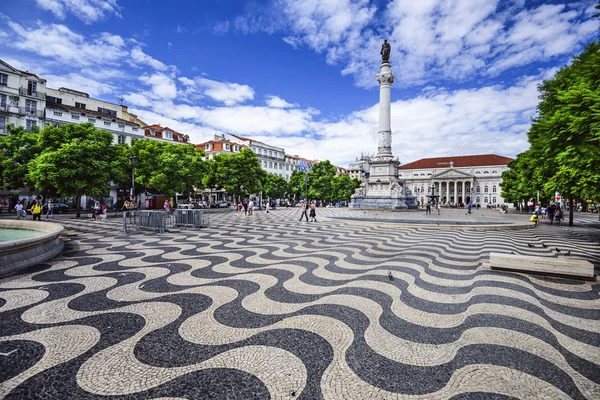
(563, 265)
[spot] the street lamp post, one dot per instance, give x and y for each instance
(470, 199)
(133, 161)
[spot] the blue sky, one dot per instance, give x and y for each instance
(300, 74)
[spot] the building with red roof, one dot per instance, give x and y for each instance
(456, 179)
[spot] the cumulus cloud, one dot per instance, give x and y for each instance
(223, 92)
(139, 57)
(162, 86)
(434, 39)
(78, 82)
(278, 102)
(86, 10)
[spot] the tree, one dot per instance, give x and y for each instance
(565, 135)
(75, 160)
(276, 187)
(17, 150)
(321, 180)
(343, 187)
(297, 185)
(168, 168)
(237, 173)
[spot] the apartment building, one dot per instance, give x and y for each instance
(22, 98)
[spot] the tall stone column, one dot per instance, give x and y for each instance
(384, 137)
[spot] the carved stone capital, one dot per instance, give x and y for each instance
(385, 79)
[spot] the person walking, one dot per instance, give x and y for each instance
(50, 211)
(469, 206)
(36, 211)
(250, 207)
(439, 208)
(428, 208)
(313, 212)
(239, 208)
(19, 210)
(245, 207)
(267, 206)
(303, 209)
(167, 207)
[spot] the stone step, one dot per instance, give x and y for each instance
(546, 265)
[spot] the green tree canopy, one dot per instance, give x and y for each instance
(565, 135)
(297, 184)
(343, 187)
(237, 173)
(17, 150)
(321, 180)
(168, 168)
(75, 160)
(275, 187)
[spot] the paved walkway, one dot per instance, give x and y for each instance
(267, 307)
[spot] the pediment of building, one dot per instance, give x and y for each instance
(452, 173)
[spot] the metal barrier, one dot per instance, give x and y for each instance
(191, 218)
(160, 220)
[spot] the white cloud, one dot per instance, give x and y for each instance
(139, 57)
(224, 92)
(180, 29)
(137, 99)
(278, 102)
(78, 82)
(86, 10)
(161, 85)
(435, 39)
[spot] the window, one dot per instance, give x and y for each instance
(92, 120)
(122, 126)
(422, 174)
(121, 139)
(135, 129)
(31, 88)
(287, 177)
(493, 172)
(485, 189)
(30, 123)
(270, 164)
(207, 146)
(486, 172)
(494, 189)
(57, 113)
(416, 174)
(52, 99)
(30, 106)
(485, 200)
(429, 174)
(477, 173)
(2, 124)
(280, 166)
(493, 200)
(73, 116)
(477, 201)
(2, 100)
(236, 148)
(3, 79)
(270, 153)
(112, 113)
(169, 135)
(226, 146)
(287, 167)
(275, 165)
(107, 123)
(478, 189)
(80, 105)
(422, 187)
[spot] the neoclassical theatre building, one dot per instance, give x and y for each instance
(457, 179)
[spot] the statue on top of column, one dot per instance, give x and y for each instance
(385, 51)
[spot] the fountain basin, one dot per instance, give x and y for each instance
(33, 242)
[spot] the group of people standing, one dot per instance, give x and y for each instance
(35, 209)
(438, 206)
(248, 207)
(308, 210)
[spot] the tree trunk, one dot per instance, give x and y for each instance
(78, 201)
(570, 211)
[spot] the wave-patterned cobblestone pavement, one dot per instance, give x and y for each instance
(266, 307)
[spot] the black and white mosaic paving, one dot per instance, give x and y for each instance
(268, 307)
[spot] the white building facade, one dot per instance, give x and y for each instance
(457, 180)
(22, 98)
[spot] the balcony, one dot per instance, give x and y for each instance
(31, 113)
(26, 92)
